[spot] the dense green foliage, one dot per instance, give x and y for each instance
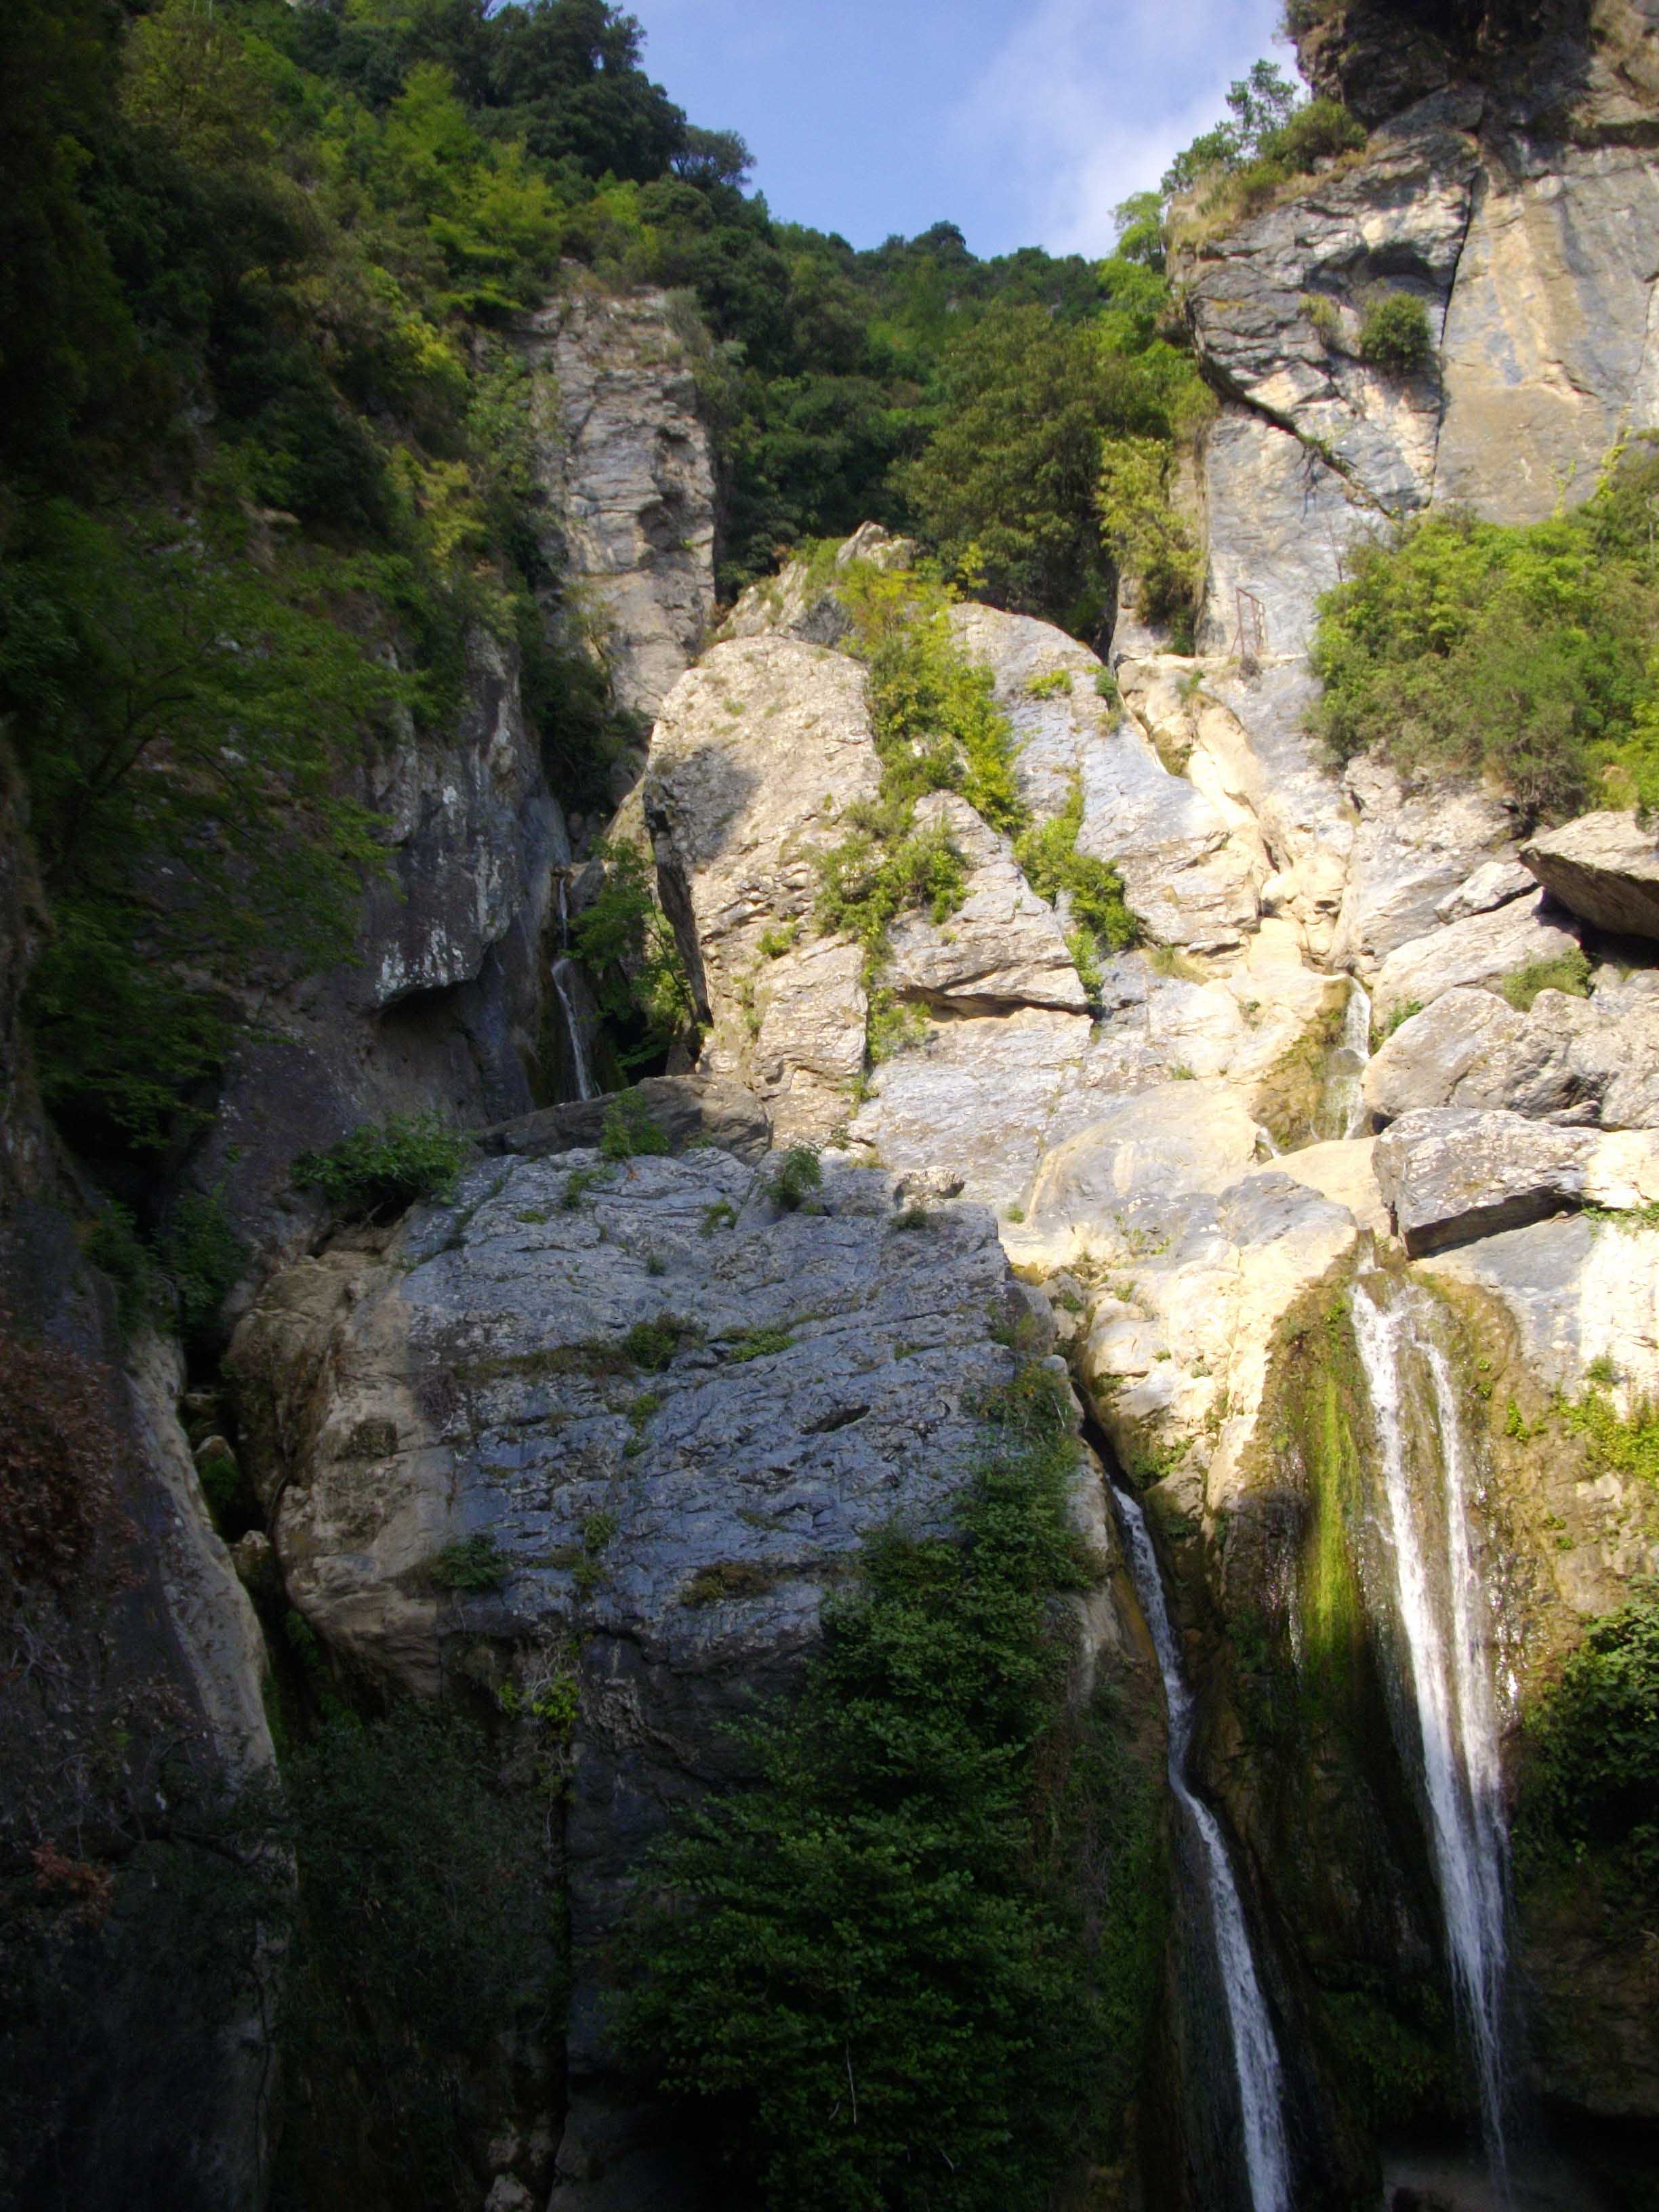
(1101, 923)
(1008, 488)
(627, 944)
(385, 1167)
(902, 1967)
(1269, 136)
(1592, 1771)
(428, 1932)
(1394, 334)
(1526, 653)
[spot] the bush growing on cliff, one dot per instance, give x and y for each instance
(1524, 653)
(384, 1168)
(909, 1965)
(1592, 1772)
(1394, 334)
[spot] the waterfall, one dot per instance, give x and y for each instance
(561, 899)
(563, 969)
(1442, 1621)
(1256, 2053)
(1349, 1062)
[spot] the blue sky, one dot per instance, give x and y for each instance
(1025, 121)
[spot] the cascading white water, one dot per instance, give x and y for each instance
(1441, 1620)
(586, 1086)
(1256, 2053)
(1349, 1062)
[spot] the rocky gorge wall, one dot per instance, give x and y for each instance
(144, 1983)
(583, 1451)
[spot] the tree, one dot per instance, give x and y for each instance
(66, 331)
(188, 725)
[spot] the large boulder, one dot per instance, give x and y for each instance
(660, 1411)
(1481, 948)
(1002, 946)
(1567, 1059)
(758, 753)
(1604, 868)
(1451, 1175)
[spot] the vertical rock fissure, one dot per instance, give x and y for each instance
(1250, 2031)
(1441, 1607)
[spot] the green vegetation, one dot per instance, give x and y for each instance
(629, 1129)
(1524, 653)
(1628, 1443)
(1093, 889)
(650, 1345)
(1563, 971)
(628, 947)
(895, 1025)
(1592, 1776)
(727, 1582)
(383, 1167)
(796, 1180)
(932, 1919)
(1270, 138)
(203, 1257)
(758, 1344)
(1395, 335)
(470, 1564)
(422, 1944)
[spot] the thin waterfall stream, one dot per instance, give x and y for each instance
(1349, 1062)
(560, 975)
(1255, 2049)
(1442, 1614)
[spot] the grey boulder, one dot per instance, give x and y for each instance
(1603, 867)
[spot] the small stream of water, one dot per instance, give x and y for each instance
(1442, 1618)
(580, 1066)
(1348, 1063)
(1256, 2053)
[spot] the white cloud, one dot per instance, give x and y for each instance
(1083, 104)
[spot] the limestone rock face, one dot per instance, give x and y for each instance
(1002, 946)
(1568, 1059)
(1176, 1139)
(1415, 852)
(130, 1710)
(624, 459)
(440, 1007)
(1547, 356)
(1451, 1175)
(668, 1410)
(1395, 222)
(1189, 855)
(1177, 1351)
(759, 751)
(689, 1110)
(1481, 949)
(1603, 867)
